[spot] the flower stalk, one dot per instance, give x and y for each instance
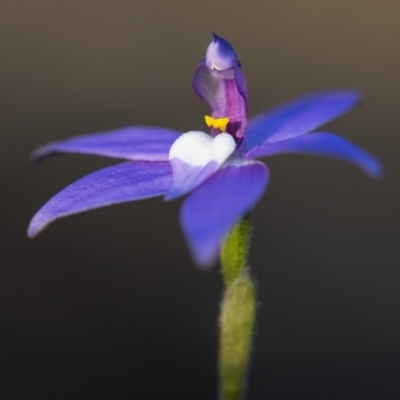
(234, 250)
(237, 312)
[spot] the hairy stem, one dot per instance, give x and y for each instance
(234, 250)
(237, 313)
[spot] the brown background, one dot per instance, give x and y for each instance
(107, 305)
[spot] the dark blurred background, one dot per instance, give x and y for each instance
(107, 304)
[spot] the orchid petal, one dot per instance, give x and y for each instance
(213, 208)
(299, 117)
(132, 143)
(322, 144)
(117, 184)
(194, 157)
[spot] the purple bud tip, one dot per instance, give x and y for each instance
(220, 55)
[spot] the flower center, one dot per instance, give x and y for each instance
(194, 157)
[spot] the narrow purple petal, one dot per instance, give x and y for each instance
(117, 184)
(322, 144)
(132, 143)
(213, 208)
(299, 117)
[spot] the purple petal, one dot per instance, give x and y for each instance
(213, 208)
(186, 177)
(299, 117)
(132, 143)
(323, 144)
(117, 184)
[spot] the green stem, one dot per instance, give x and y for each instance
(237, 312)
(235, 249)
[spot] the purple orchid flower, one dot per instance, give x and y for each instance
(218, 171)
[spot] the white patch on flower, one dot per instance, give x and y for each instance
(194, 157)
(198, 148)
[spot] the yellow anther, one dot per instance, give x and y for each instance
(217, 123)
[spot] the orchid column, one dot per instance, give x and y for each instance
(220, 82)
